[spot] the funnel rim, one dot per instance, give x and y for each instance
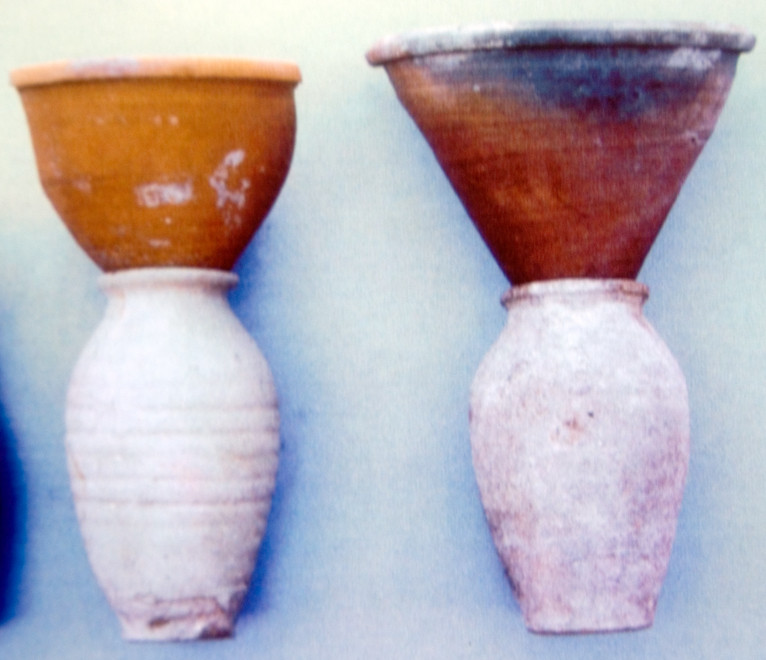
(552, 34)
(155, 67)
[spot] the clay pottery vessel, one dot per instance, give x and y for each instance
(172, 445)
(567, 143)
(580, 443)
(161, 162)
(163, 169)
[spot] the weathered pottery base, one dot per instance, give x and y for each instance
(580, 439)
(172, 443)
(182, 619)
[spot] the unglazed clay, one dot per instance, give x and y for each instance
(163, 169)
(172, 443)
(567, 143)
(580, 441)
(161, 162)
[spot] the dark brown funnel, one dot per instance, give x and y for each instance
(567, 144)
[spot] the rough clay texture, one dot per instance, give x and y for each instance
(172, 442)
(568, 143)
(580, 440)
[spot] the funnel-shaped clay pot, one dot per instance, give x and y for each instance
(161, 162)
(567, 144)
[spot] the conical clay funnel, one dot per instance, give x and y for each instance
(161, 162)
(567, 144)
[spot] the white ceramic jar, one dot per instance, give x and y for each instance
(172, 443)
(580, 441)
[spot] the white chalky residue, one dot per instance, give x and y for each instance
(159, 120)
(159, 242)
(152, 195)
(83, 185)
(230, 199)
(111, 68)
(695, 59)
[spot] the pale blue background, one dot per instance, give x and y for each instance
(374, 300)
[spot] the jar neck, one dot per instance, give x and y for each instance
(578, 290)
(197, 279)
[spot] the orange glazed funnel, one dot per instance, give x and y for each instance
(161, 161)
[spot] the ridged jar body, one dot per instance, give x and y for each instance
(172, 442)
(580, 441)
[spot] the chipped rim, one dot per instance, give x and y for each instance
(547, 34)
(155, 67)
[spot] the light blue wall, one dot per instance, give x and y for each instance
(374, 300)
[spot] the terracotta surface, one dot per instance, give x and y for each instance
(580, 441)
(172, 443)
(567, 143)
(161, 162)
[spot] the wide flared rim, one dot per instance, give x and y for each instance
(505, 35)
(156, 67)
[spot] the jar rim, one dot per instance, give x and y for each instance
(576, 287)
(172, 275)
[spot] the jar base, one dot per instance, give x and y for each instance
(183, 619)
(603, 614)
